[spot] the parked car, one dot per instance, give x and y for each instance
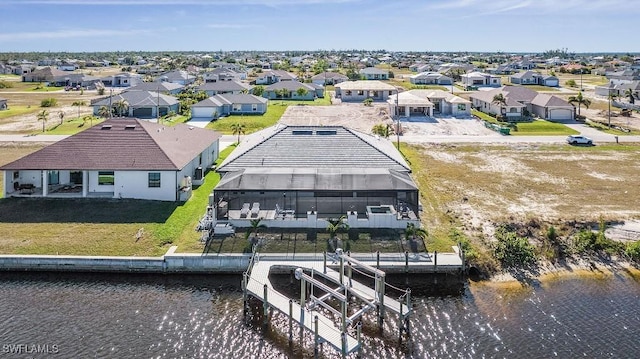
(579, 140)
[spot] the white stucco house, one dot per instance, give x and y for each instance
(480, 79)
(118, 158)
(429, 103)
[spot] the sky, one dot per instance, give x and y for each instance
(394, 25)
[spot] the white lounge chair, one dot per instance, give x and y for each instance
(255, 209)
(245, 210)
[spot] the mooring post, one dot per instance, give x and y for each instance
(324, 263)
(344, 344)
(244, 295)
(265, 307)
(315, 337)
(359, 337)
(381, 302)
(303, 289)
(435, 261)
(401, 322)
(290, 321)
(377, 259)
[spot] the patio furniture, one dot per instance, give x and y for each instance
(245, 210)
(27, 188)
(255, 209)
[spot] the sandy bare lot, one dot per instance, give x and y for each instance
(363, 118)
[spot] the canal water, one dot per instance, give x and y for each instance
(143, 316)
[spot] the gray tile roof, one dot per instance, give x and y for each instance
(224, 86)
(229, 99)
(154, 86)
(144, 146)
(546, 100)
(290, 85)
(139, 99)
(310, 147)
(329, 75)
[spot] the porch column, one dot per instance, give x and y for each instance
(45, 183)
(85, 183)
(407, 112)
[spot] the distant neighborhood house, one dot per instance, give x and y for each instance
(534, 78)
(224, 87)
(292, 90)
(229, 104)
(119, 158)
(428, 103)
(140, 104)
(351, 91)
(372, 73)
(328, 78)
(480, 79)
(521, 101)
(430, 78)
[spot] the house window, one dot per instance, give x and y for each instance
(348, 93)
(360, 93)
(390, 93)
(16, 175)
(462, 107)
(254, 107)
(106, 178)
(513, 110)
(154, 179)
(237, 107)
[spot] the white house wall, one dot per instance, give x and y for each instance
(135, 184)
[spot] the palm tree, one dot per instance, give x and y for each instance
(629, 93)
(301, 92)
(238, 129)
(43, 116)
(121, 106)
(334, 226)
(413, 231)
(382, 130)
(501, 101)
(61, 115)
(580, 100)
(255, 226)
(78, 104)
(104, 111)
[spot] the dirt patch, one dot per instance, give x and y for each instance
(28, 123)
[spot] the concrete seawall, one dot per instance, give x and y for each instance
(169, 263)
(193, 263)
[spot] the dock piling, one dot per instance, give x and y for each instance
(359, 337)
(290, 321)
(377, 259)
(265, 307)
(315, 337)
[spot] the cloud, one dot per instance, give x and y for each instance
(487, 7)
(176, 2)
(62, 34)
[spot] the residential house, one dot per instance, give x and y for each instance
(623, 76)
(372, 73)
(429, 103)
(140, 104)
(311, 92)
(22, 70)
(165, 87)
(271, 77)
(480, 79)
(123, 79)
(119, 158)
(75, 79)
(534, 78)
(224, 87)
(430, 78)
(224, 74)
(227, 104)
(68, 66)
(350, 91)
(5, 69)
(328, 78)
(300, 176)
(521, 102)
(3, 104)
(45, 74)
(180, 77)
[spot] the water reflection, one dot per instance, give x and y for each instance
(106, 316)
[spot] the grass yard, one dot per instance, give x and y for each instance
(543, 128)
(100, 226)
(251, 123)
(69, 127)
(18, 110)
(483, 116)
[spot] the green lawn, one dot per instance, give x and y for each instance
(251, 123)
(69, 127)
(17, 110)
(543, 128)
(103, 226)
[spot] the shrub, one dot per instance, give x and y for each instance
(512, 250)
(5, 85)
(570, 83)
(101, 91)
(367, 101)
(633, 251)
(48, 102)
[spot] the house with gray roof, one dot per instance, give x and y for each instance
(432, 103)
(521, 101)
(480, 79)
(270, 77)
(328, 78)
(358, 91)
(227, 104)
(224, 87)
(224, 74)
(372, 73)
(123, 79)
(45, 74)
(299, 176)
(165, 87)
(180, 77)
(276, 91)
(430, 78)
(140, 104)
(534, 78)
(118, 158)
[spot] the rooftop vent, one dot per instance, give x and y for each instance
(105, 127)
(130, 127)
